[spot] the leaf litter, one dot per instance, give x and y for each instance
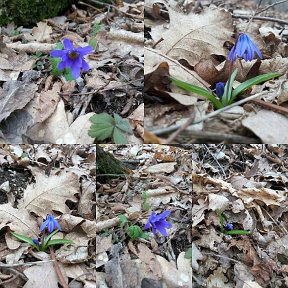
(128, 199)
(248, 183)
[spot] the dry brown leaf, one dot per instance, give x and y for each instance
(269, 126)
(18, 220)
(15, 95)
(42, 32)
(39, 274)
(196, 36)
(50, 193)
(161, 168)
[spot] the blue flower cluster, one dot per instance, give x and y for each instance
(158, 222)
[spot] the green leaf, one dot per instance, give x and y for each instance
(198, 90)
(118, 137)
(102, 127)
(220, 219)
(237, 232)
(44, 245)
(54, 64)
(188, 254)
(25, 239)
(144, 236)
(134, 232)
(59, 46)
(93, 42)
(96, 28)
(122, 124)
(123, 220)
(248, 83)
(59, 241)
(67, 74)
(227, 95)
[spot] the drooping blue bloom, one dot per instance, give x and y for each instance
(36, 242)
(72, 58)
(51, 223)
(158, 222)
(220, 89)
(229, 226)
(244, 48)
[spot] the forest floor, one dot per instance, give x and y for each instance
(158, 179)
(248, 184)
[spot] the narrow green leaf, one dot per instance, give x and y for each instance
(48, 238)
(220, 219)
(188, 254)
(93, 42)
(25, 239)
(59, 241)
(228, 93)
(198, 90)
(237, 232)
(248, 83)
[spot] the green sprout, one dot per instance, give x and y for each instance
(229, 95)
(232, 231)
(133, 231)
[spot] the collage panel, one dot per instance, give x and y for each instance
(143, 216)
(71, 71)
(47, 216)
(216, 71)
(240, 215)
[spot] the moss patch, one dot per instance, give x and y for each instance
(29, 12)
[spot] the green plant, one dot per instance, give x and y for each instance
(144, 197)
(230, 232)
(133, 231)
(105, 126)
(229, 95)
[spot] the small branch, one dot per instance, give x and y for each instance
(270, 106)
(268, 7)
(261, 18)
(170, 129)
(58, 270)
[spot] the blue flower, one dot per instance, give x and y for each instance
(35, 241)
(51, 223)
(229, 226)
(72, 58)
(158, 222)
(220, 89)
(244, 48)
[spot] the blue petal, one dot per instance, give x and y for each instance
(75, 71)
(57, 53)
(232, 54)
(147, 225)
(84, 50)
(67, 44)
(162, 231)
(45, 223)
(85, 65)
(165, 214)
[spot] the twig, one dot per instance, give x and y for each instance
(116, 8)
(271, 5)
(211, 137)
(261, 18)
(270, 106)
(3, 265)
(58, 270)
(100, 89)
(170, 129)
